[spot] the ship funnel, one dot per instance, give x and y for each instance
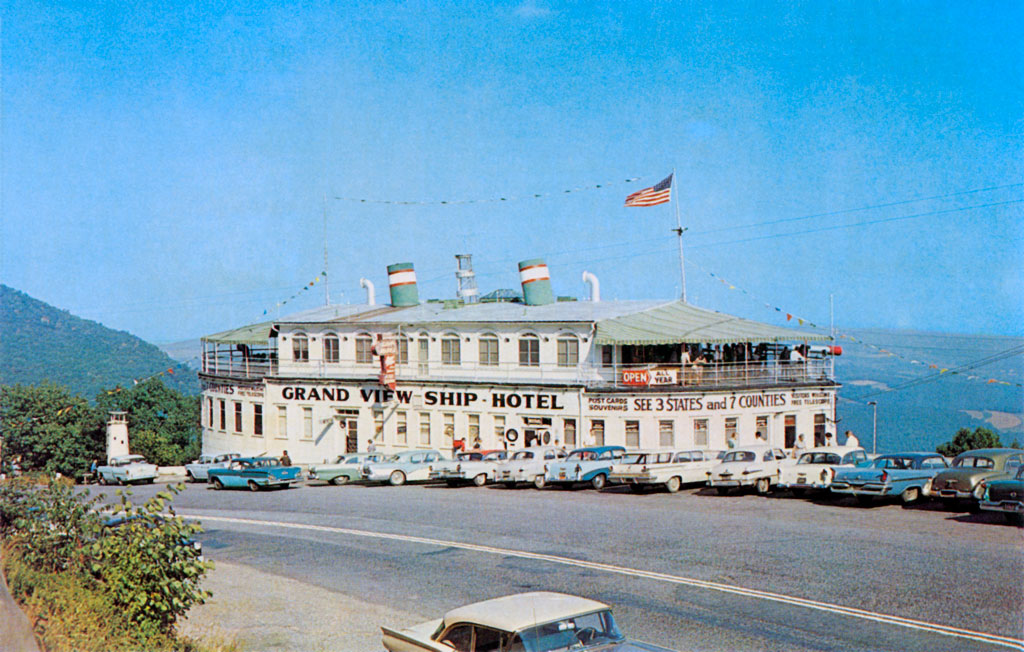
(371, 295)
(595, 286)
(402, 279)
(536, 282)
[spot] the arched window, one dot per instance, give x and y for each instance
(451, 349)
(568, 351)
(529, 350)
(489, 350)
(300, 348)
(331, 348)
(364, 348)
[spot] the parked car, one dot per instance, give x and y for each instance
(592, 464)
(815, 468)
(127, 469)
(671, 469)
(477, 467)
(896, 474)
(406, 466)
(528, 465)
(962, 481)
(527, 622)
(752, 466)
(199, 470)
(255, 473)
(346, 468)
(1006, 496)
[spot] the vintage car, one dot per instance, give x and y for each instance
(406, 466)
(528, 465)
(126, 469)
(199, 470)
(963, 480)
(895, 474)
(592, 464)
(527, 622)
(815, 468)
(346, 468)
(1006, 496)
(751, 466)
(255, 473)
(671, 469)
(477, 467)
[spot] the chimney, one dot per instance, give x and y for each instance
(402, 280)
(595, 286)
(533, 274)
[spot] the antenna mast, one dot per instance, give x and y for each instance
(327, 290)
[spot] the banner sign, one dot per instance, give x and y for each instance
(387, 349)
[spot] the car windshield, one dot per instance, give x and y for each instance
(523, 455)
(894, 463)
(819, 458)
(582, 455)
(494, 457)
(975, 461)
(577, 633)
(739, 456)
(466, 457)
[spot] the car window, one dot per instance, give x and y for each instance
(635, 458)
(768, 456)
(780, 455)
(739, 456)
(933, 463)
(488, 640)
(523, 455)
(1013, 463)
(416, 459)
(854, 457)
(459, 637)
(494, 457)
(551, 455)
(683, 457)
(664, 458)
(974, 461)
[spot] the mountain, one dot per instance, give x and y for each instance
(39, 342)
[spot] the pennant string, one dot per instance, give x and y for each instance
(498, 199)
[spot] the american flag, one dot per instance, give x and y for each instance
(659, 193)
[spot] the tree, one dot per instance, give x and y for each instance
(163, 424)
(965, 440)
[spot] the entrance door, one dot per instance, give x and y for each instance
(351, 436)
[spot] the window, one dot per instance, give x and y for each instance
(300, 348)
(700, 432)
(597, 431)
(761, 425)
(790, 430)
(489, 351)
(307, 423)
(364, 349)
(633, 434)
(667, 433)
(449, 428)
(282, 421)
(569, 429)
(425, 428)
(401, 428)
(403, 350)
(424, 354)
(529, 351)
(459, 637)
(257, 420)
(378, 425)
(331, 348)
(223, 414)
(238, 416)
(730, 428)
(499, 427)
(819, 430)
(608, 355)
(209, 412)
(474, 428)
(451, 349)
(568, 352)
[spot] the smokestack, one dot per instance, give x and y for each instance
(371, 295)
(533, 274)
(595, 286)
(402, 280)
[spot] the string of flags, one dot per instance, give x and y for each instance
(169, 371)
(846, 336)
(500, 198)
(299, 292)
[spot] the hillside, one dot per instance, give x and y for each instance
(39, 342)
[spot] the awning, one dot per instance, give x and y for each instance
(678, 322)
(252, 334)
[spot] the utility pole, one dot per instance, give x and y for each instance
(874, 426)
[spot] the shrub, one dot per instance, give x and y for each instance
(965, 440)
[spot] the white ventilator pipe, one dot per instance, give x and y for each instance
(371, 298)
(595, 286)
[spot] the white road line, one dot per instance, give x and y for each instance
(634, 572)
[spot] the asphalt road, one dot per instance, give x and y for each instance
(690, 571)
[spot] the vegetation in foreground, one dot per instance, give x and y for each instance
(101, 577)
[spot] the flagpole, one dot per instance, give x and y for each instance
(679, 233)
(327, 290)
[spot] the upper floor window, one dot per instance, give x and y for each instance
(529, 351)
(364, 349)
(331, 348)
(300, 348)
(451, 349)
(568, 351)
(489, 350)
(403, 350)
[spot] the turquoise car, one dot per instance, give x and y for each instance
(346, 468)
(255, 473)
(903, 475)
(592, 465)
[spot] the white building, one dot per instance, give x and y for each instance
(509, 373)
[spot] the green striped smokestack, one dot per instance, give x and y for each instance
(402, 280)
(533, 274)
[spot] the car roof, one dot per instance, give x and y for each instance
(756, 448)
(599, 449)
(254, 459)
(832, 449)
(512, 613)
(995, 452)
(916, 454)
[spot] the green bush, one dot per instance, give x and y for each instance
(965, 440)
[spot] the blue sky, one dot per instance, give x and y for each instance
(165, 165)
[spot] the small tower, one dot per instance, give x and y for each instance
(117, 434)
(468, 292)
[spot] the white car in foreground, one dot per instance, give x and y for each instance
(815, 469)
(528, 465)
(751, 466)
(672, 469)
(477, 467)
(527, 622)
(126, 469)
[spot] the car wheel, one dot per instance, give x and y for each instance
(598, 481)
(539, 482)
(339, 480)
(189, 477)
(673, 484)
(910, 495)
(217, 484)
(397, 478)
(101, 480)
(763, 486)
(253, 486)
(480, 480)
(722, 491)
(122, 482)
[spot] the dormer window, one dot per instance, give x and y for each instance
(300, 348)
(529, 350)
(364, 349)
(451, 349)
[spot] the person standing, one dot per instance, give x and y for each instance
(286, 459)
(799, 446)
(851, 439)
(731, 442)
(371, 447)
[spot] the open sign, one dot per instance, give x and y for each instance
(636, 377)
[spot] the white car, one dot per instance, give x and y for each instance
(528, 622)
(477, 467)
(751, 466)
(126, 469)
(672, 469)
(407, 466)
(815, 469)
(199, 470)
(528, 465)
